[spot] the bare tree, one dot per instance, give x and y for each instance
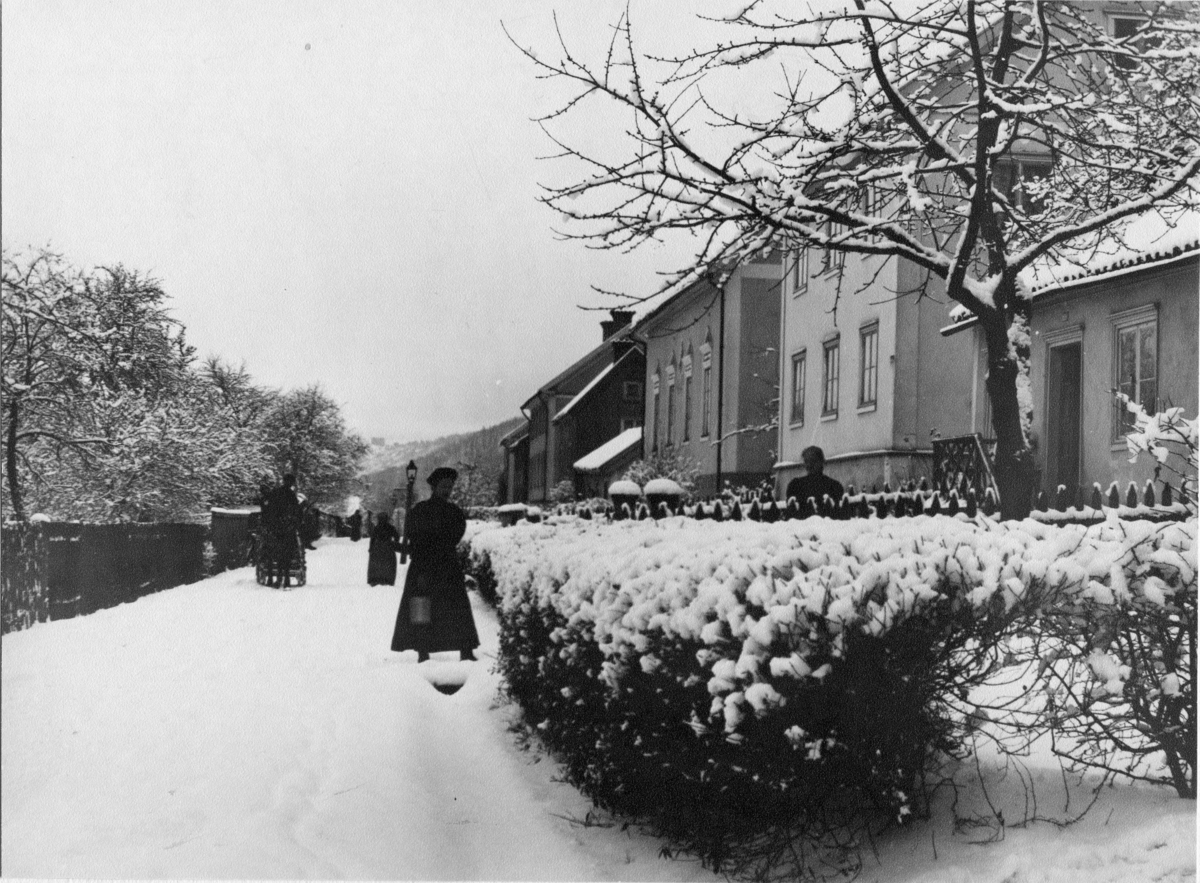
(976, 140)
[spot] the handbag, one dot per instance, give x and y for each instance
(420, 607)
(420, 610)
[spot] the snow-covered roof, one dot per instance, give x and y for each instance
(599, 354)
(610, 450)
(517, 436)
(1144, 241)
(1147, 242)
(582, 394)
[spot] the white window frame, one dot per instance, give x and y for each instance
(656, 384)
(868, 367)
(671, 403)
(687, 395)
(1124, 321)
(831, 377)
(799, 381)
(800, 272)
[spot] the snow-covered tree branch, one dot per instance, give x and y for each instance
(977, 141)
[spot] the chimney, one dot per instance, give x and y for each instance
(620, 319)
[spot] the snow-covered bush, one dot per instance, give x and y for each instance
(1117, 661)
(726, 679)
(1172, 440)
(665, 464)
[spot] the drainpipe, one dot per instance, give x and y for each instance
(513, 491)
(720, 387)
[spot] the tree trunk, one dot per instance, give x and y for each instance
(10, 462)
(1014, 466)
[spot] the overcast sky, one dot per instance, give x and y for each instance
(341, 193)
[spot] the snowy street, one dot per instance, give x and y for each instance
(223, 729)
(226, 730)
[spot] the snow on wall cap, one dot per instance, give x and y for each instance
(664, 486)
(513, 507)
(624, 487)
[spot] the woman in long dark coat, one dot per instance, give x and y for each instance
(381, 555)
(432, 530)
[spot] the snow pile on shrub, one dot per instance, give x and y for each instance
(735, 678)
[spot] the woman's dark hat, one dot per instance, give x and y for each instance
(442, 472)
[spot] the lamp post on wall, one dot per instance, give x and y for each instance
(410, 473)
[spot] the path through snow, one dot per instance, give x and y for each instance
(223, 729)
(226, 730)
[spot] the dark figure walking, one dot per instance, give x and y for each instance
(355, 523)
(280, 519)
(435, 612)
(310, 524)
(381, 555)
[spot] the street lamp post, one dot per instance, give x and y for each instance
(410, 472)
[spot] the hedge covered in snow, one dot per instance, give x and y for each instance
(726, 679)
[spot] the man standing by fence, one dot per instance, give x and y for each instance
(816, 485)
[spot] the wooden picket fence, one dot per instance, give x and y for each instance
(57, 570)
(1163, 503)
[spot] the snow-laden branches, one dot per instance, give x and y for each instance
(884, 134)
(979, 141)
(106, 417)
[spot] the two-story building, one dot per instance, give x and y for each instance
(712, 376)
(866, 375)
(578, 411)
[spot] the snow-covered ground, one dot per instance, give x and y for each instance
(225, 730)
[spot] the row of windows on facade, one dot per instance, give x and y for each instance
(831, 356)
(1135, 375)
(672, 395)
(1135, 368)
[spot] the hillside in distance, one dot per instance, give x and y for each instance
(383, 468)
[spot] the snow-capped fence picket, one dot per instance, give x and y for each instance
(1063, 507)
(83, 568)
(771, 676)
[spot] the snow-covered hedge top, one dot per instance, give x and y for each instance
(624, 487)
(512, 507)
(664, 486)
(746, 583)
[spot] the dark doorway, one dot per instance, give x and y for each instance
(1063, 416)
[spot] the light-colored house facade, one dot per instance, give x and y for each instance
(1130, 327)
(712, 376)
(866, 375)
